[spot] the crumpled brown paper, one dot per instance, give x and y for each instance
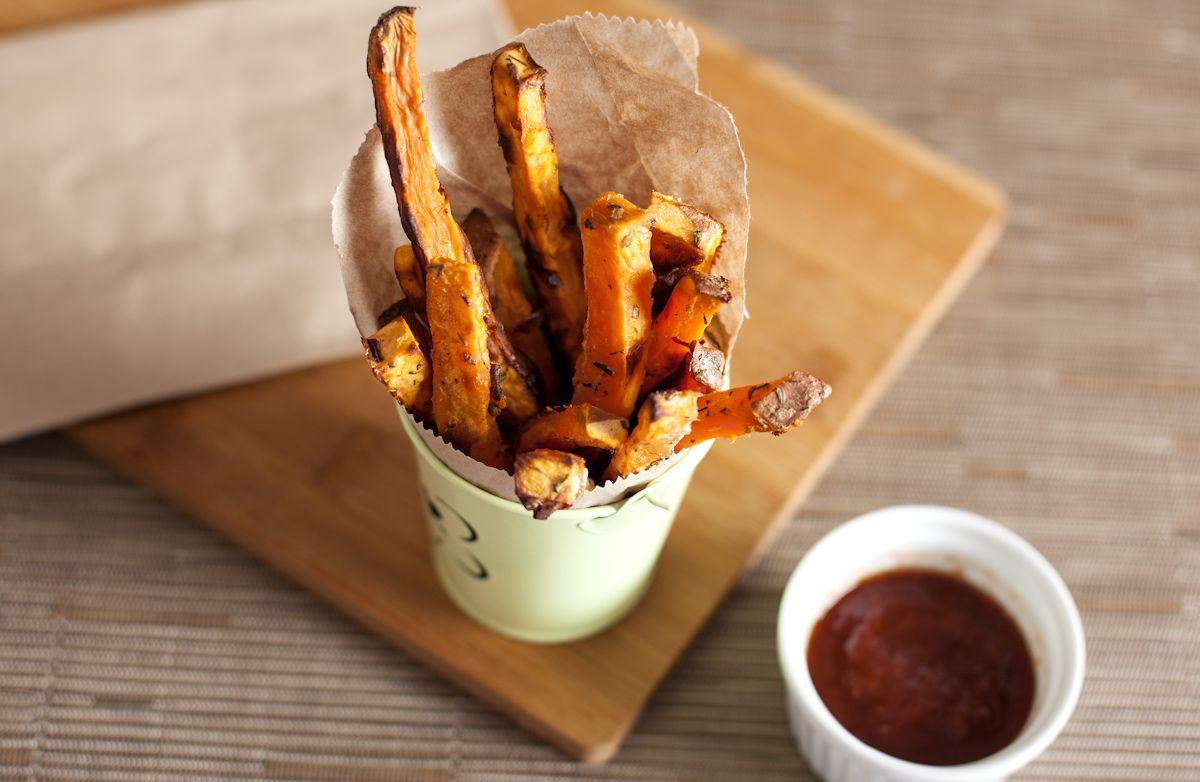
(627, 116)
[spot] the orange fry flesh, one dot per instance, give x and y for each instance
(424, 208)
(408, 274)
(401, 365)
(681, 234)
(548, 480)
(509, 302)
(572, 428)
(463, 401)
(774, 407)
(619, 278)
(663, 420)
(690, 308)
(545, 218)
(415, 319)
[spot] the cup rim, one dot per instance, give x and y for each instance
(694, 454)
(794, 663)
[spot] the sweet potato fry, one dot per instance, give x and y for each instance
(401, 365)
(545, 217)
(681, 234)
(663, 420)
(461, 372)
(772, 407)
(618, 277)
(690, 308)
(509, 302)
(572, 428)
(463, 402)
(424, 208)
(408, 274)
(548, 480)
(702, 370)
(456, 302)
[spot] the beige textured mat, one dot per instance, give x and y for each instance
(1061, 397)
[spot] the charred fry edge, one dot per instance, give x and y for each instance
(545, 217)
(547, 480)
(664, 419)
(773, 407)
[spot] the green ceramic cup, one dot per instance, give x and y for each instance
(552, 581)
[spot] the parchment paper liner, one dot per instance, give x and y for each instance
(627, 116)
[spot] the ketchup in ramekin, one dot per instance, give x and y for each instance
(924, 666)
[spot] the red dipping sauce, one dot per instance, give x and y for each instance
(923, 666)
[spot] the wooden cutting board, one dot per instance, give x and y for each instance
(860, 240)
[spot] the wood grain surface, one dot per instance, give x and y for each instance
(860, 239)
(1061, 396)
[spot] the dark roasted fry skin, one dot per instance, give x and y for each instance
(663, 420)
(690, 308)
(703, 370)
(401, 365)
(424, 209)
(544, 215)
(774, 407)
(548, 480)
(509, 302)
(681, 234)
(619, 277)
(463, 401)
(408, 274)
(572, 428)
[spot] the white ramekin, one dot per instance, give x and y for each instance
(987, 555)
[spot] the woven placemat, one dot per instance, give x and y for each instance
(1060, 397)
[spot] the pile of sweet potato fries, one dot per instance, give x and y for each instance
(603, 361)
